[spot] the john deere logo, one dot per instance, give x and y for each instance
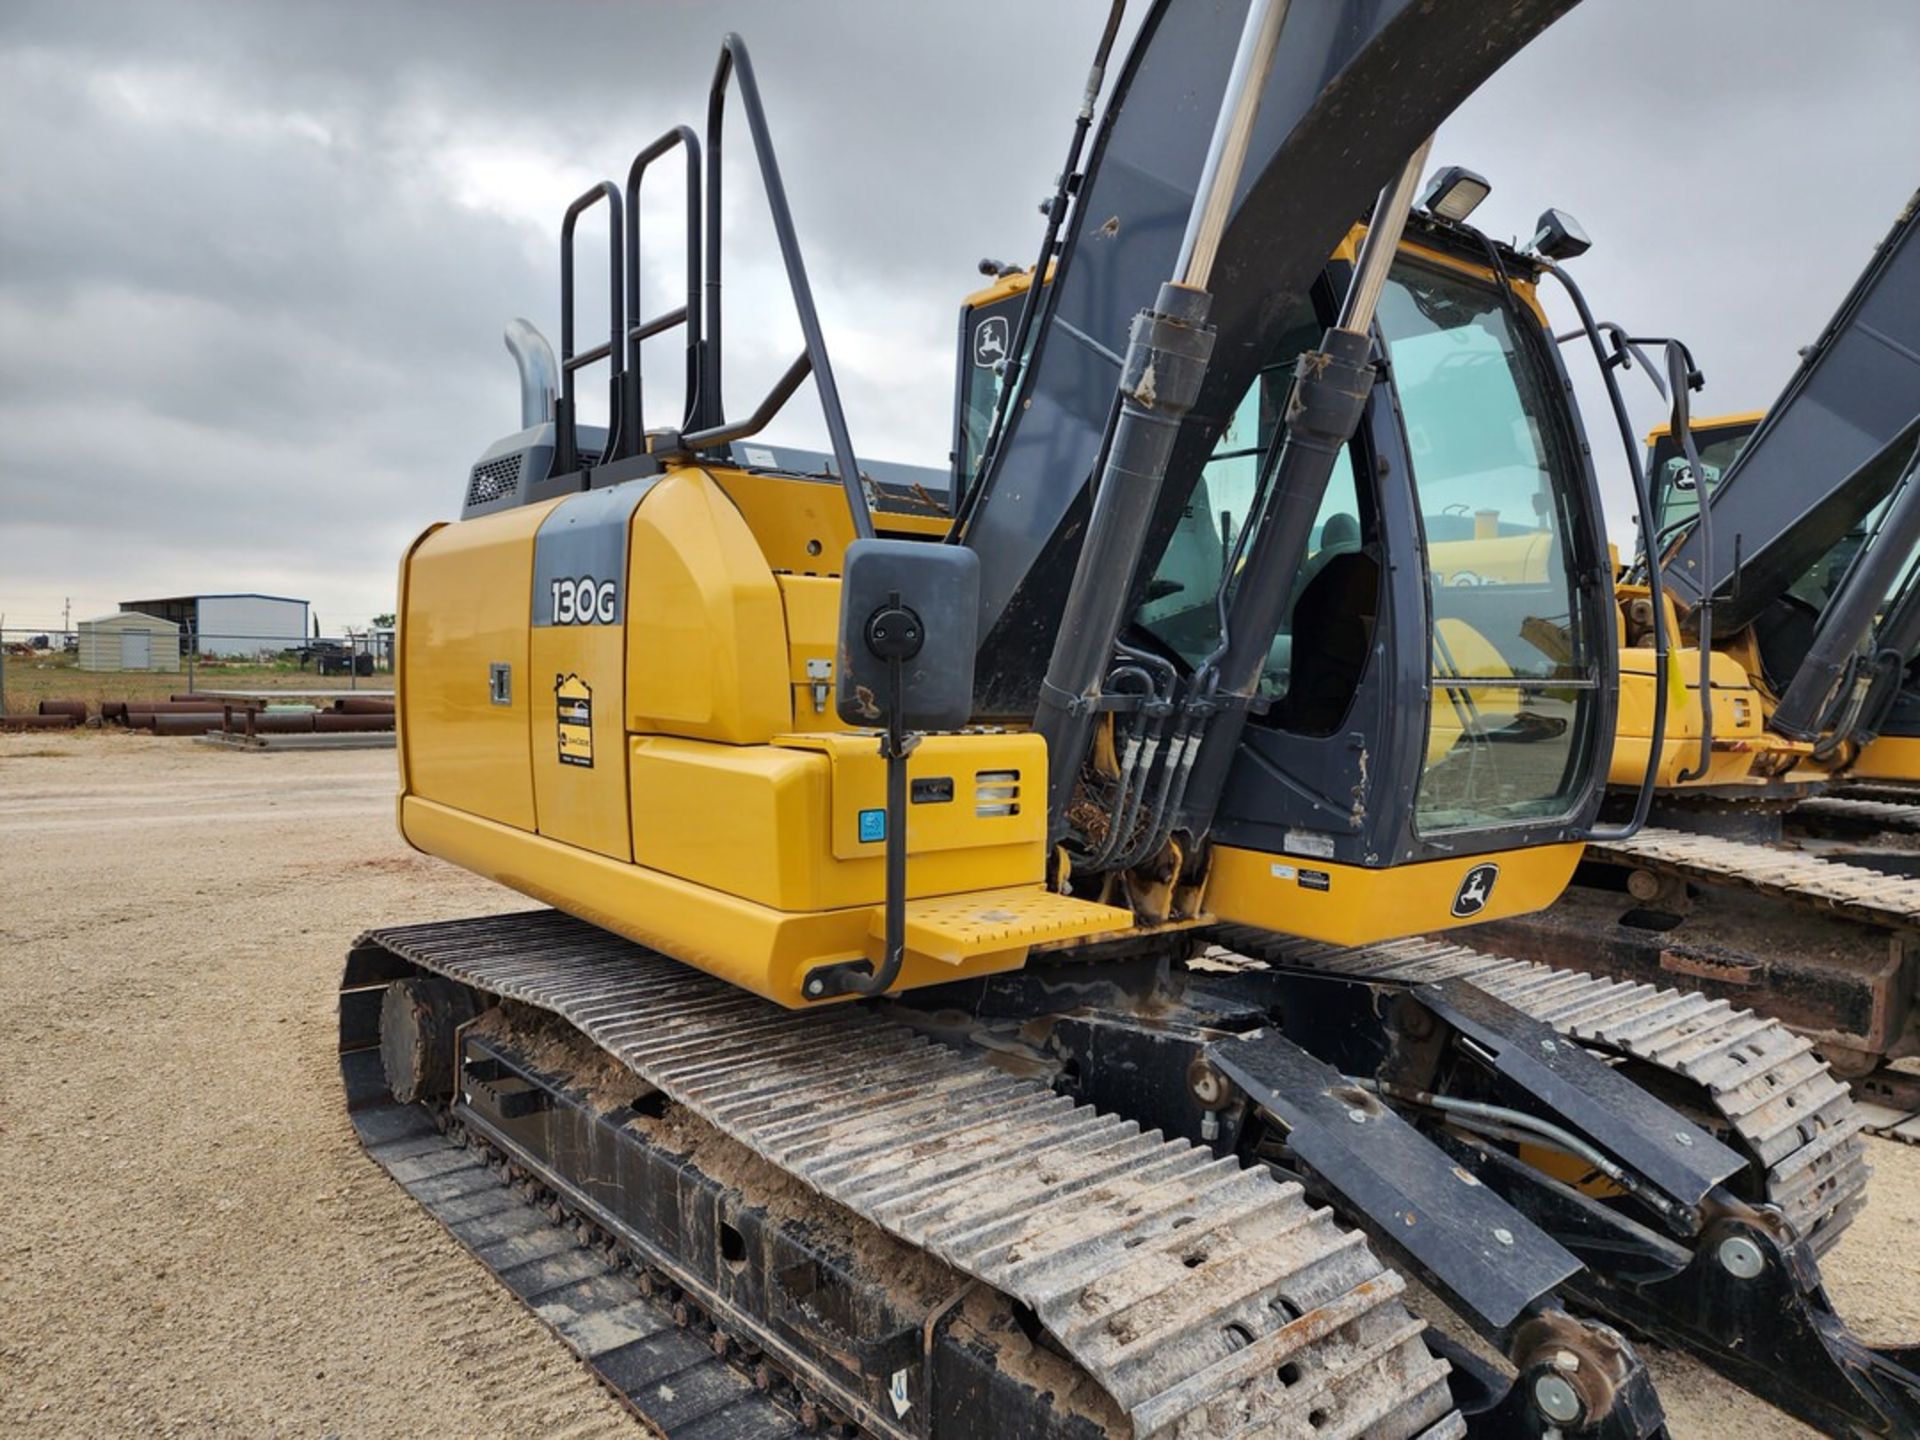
(1474, 892)
(990, 341)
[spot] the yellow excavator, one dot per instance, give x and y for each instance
(1789, 547)
(972, 992)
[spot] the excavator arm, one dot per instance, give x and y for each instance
(1353, 90)
(1807, 472)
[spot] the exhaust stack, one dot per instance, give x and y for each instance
(538, 373)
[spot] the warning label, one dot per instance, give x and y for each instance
(573, 700)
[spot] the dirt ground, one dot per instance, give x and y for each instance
(192, 1243)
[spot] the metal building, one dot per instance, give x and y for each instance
(233, 624)
(129, 641)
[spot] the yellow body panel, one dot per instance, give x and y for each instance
(1354, 905)
(778, 824)
(1891, 757)
(1018, 283)
(802, 526)
(755, 947)
(469, 590)
(579, 741)
(931, 523)
(674, 771)
(1744, 750)
(813, 632)
(705, 632)
(1705, 425)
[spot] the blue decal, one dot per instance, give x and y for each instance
(873, 826)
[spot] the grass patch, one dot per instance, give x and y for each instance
(59, 677)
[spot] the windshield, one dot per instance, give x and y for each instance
(1513, 677)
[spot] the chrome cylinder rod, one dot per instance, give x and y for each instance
(1227, 151)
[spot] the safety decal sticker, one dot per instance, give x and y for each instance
(573, 704)
(1315, 880)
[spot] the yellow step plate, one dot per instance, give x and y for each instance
(957, 928)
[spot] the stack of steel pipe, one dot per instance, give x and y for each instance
(75, 708)
(334, 721)
(239, 722)
(199, 705)
(364, 705)
(60, 721)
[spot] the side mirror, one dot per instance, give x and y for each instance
(915, 603)
(1558, 236)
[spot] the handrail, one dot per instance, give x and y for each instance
(735, 61)
(567, 438)
(1656, 589)
(633, 436)
(782, 391)
(1682, 376)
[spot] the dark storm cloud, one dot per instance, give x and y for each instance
(254, 258)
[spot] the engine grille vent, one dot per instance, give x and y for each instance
(996, 793)
(494, 478)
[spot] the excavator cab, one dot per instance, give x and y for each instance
(1676, 490)
(1454, 571)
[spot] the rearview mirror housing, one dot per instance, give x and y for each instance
(1558, 236)
(908, 596)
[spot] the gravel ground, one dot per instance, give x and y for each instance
(193, 1244)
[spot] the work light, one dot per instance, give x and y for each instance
(1454, 193)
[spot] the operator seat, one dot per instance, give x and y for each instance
(1339, 535)
(1333, 631)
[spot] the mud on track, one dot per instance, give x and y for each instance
(192, 1242)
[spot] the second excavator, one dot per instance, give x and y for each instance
(1788, 543)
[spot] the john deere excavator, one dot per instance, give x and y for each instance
(1797, 582)
(972, 998)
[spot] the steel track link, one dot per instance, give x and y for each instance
(1886, 790)
(1206, 1299)
(1869, 896)
(1806, 881)
(629, 1336)
(1900, 817)
(1767, 1084)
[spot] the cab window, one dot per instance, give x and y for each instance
(1514, 679)
(1513, 675)
(986, 339)
(1181, 608)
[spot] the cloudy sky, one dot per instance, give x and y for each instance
(255, 258)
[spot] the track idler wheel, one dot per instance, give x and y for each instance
(419, 1018)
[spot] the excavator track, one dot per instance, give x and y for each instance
(1886, 792)
(614, 1320)
(1204, 1298)
(1901, 817)
(1851, 891)
(1768, 1086)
